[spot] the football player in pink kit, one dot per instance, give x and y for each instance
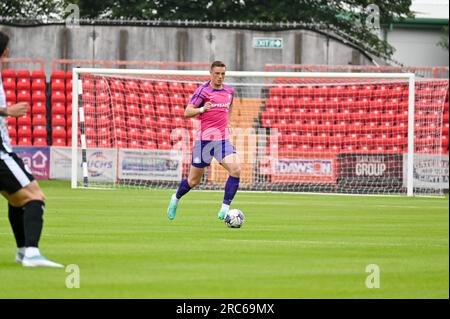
(211, 102)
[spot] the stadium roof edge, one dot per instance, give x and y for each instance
(427, 23)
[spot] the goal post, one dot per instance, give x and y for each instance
(296, 131)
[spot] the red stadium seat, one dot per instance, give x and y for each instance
(103, 120)
(40, 141)
(293, 91)
(9, 83)
(58, 108)
(87, 83)
(9, 73)
(39, 108)
(119, 143)
(162, 110)
(38, 96)
(58, 74)
(161, 87)
(40, 131)
(290, 102)
(59, 132)
(118, 121)
(149, 134)
(275, 102)
(104, 142)
(101, 86)
(149, 122)
(162, 99)
(133, 121)
(134, 133)
(23, 96)
(24, 131)
(117, 97)
(39, 120)
(163, 134)
(38, 83)
(118, 109)
(23, 82)
(69, 87)
(24, 120)
(146, 87)
(178, 122)
(178, 99)
(189, 88)
(58, 85)
(120, 133)
(58, 120)
(102, 109)
(12, 131)
(24, 141)
(58, 96)
(104, 132)
(23, 73)
(147, 109)
(133, 110)
(117, 86)
(149, 144)
(176, 88)
(134, 143)
(177, 110)
(147, 98)
(88, 97)
(131, 86)
(10, 120)
(132, 98)
(103, 97)
(164, 145)
(321, 91)
(277, 91)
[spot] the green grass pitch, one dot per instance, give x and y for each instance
(291, 246)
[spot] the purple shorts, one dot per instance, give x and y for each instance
(204, 151)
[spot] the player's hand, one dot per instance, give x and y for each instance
(207, 106)
(18, 109)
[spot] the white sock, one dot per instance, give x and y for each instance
(174, 197)
(225, 207)
(21, 250)
(31, 252)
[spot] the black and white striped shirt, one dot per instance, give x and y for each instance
(5, 143)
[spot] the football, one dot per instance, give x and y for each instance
(234, 218)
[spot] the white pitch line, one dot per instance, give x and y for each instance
(332, 243)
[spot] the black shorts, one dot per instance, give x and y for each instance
(14, 174)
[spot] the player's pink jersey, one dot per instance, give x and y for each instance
(214, 122)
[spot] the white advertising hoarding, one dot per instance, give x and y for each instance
(158, 165)
(101, 162)
(430, 171)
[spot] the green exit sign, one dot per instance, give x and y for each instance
(268, 43)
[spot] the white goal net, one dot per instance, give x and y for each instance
(350, 133)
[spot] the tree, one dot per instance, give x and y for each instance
(444, 41)
(344, 17)
(32, 9)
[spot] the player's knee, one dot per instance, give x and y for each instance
(41, 197)
(193, 182)
(236, 171)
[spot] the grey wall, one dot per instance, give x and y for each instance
(234, 47)
(416, 47)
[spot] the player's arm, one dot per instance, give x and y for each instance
(192, 110)
(15, 110)
(229, 112)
